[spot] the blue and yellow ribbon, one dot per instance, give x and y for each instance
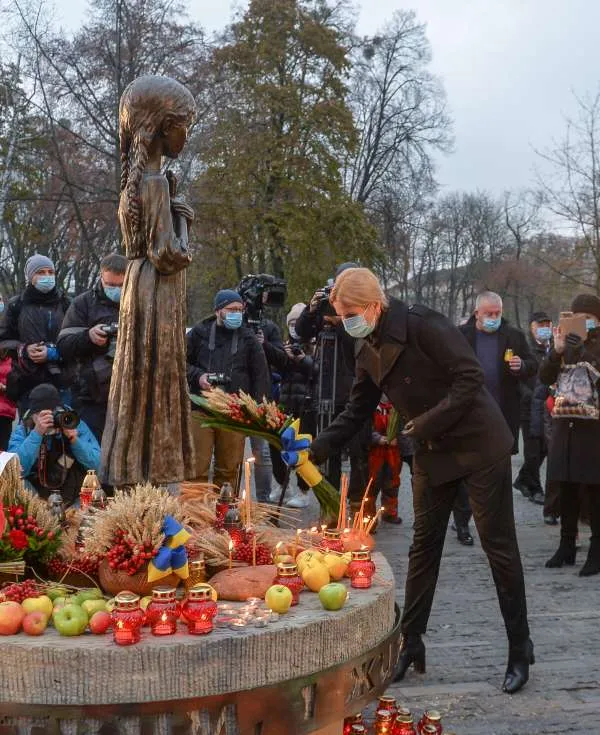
(172, 556)
(294, 453)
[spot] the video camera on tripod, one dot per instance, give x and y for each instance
(258, 291)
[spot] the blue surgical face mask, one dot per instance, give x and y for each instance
(293, 332)
(357, 326)
(45, 283)
(543, 334)
(491, 325)
(590, 324)
(233, 319)
(113, 293)
(1, 307)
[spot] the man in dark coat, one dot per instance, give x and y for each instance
(222, 352)
(534, 447)
(88, 338)
(430, 374)
(29, 331)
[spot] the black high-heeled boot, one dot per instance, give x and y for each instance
(412, 651)
(520, 658)
(565, 554)
(592, 563)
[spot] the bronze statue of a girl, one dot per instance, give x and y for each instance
(147, 435)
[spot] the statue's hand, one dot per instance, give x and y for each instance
(182, 209)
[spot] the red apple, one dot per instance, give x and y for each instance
(11, 617)
(35, 623)
(100, 622)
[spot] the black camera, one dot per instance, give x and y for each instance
(260, 291)
(109, 330)
(296, 349)
(324, 307)
(65, 418)
(218, 380)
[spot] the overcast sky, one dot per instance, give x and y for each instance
(509, 67)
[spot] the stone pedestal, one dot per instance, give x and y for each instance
(303, 674)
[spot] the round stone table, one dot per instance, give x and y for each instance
(302, 674)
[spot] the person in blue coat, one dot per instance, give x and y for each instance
(54, 447)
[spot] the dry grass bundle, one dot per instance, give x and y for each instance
(213, 544)
(139, 512)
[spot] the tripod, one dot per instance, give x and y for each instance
(326, 355)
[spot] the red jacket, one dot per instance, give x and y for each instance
(7, 407)
(381, 418)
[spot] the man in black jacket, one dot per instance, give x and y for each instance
(534, 447)
(222, 352)
(507, 363)
(29, 331)
(87, 340)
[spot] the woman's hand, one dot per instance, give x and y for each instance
(559, 341)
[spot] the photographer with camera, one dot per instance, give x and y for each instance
(332, 383)
(28, 333)
(223, 353)
(55, 448)
(88, 340)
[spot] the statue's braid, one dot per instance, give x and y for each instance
(136, 171)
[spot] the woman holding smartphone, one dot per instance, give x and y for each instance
(573, 452)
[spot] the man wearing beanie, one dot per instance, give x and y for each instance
(573, 364)
(53, 458)
(29, 332)
(223, 353)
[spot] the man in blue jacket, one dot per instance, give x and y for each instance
(54, 448)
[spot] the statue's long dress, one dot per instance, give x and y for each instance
(147, 436)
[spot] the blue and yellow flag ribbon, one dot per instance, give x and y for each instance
(172, 556)
(294, 453)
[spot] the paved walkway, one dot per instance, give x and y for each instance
(466, 644)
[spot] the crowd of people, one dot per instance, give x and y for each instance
(373, 379)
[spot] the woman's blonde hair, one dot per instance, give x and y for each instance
(358, 287)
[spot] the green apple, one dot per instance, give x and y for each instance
(145, 601)
(278, 598)
(333, 596)
(110, 604)
(55, 592)
(93, 593)
(42, 603)
(92, 606)
(70, 620)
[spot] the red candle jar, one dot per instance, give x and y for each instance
(384, 722)
(332, 541)
(431, 719)
(127, 619)
(358, 729)
(361, 569)
(387, 703)
(350, 721)
(226, 498)
(199, 609)
(163, 611)
(288, 576)
(404, 724)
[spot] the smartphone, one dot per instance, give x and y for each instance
(569, 323)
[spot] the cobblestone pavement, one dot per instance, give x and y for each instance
(466, 643)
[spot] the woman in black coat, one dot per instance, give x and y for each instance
(431, 375)
(573, 452)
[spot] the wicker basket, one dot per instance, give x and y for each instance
(113, 582)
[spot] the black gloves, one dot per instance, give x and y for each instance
(573, 348)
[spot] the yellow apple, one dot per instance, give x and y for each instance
(308, 555)
(42, 603)
(336, 565)
(315, 575)
(145, 601)
(278, 598)
(110, 604)
(93, 606)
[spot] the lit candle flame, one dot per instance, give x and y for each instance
(323, 528)
(366, 520)
(313, 529)
(119, 624)
(230, 546)
(278, 546)
(346, 530)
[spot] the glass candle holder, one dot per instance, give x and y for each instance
(332, 541)
(199, 610)
(288, 576)
(225, 500)
(361, 569)
(350, 721)
(404, 724)
(387, 703)
(163, 611)
(197, 573)
(127, 619)
(431, 719)
(384, 722)
(358, 729)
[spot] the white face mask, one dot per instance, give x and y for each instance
(357, 326)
